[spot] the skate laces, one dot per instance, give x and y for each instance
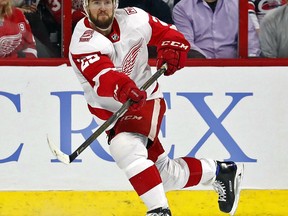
(220, 188)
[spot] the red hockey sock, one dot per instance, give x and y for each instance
(195, 169)
(146, 180)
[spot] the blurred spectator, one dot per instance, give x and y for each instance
(52, 17)
(211, 27)
(157, 8)
(258, 8)
(54, 7)
(46, 23)
(274, 33)
(33, 13)
(16, 38)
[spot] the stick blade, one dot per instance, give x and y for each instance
(64, 158)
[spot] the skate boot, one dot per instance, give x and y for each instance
(159, 212)
(227, 185)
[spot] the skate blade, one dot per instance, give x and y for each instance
(237, 189)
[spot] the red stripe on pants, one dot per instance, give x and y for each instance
(146, 180)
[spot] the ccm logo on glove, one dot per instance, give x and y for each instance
(174, 54)
(175, 44)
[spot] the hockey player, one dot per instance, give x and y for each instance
(16, 38)
(108, 53)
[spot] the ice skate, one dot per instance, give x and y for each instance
(159, 212)
(227, 185)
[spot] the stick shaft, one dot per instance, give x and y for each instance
(115, 116)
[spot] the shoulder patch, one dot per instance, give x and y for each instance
(130, 10)
(86, 36)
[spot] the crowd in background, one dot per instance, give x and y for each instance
(32, 28)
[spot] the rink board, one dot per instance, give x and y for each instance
(127, 203)
(237, 113)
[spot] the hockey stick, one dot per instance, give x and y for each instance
(69, 158)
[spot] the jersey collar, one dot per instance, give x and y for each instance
(114, 36)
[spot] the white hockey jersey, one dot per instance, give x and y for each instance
(95, 58)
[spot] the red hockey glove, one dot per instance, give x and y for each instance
(174, 54)
(130, 91)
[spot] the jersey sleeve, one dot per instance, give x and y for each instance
(162, 31)
(100, 72)
(28, 43)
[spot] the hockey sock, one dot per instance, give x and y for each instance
(149, 187)
(195, 169)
